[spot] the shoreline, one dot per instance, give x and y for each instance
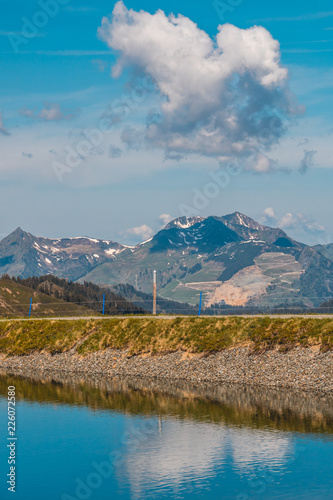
(301, 369)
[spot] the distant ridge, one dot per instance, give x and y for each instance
(23, 254)
(233, 259)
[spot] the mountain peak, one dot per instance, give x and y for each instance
(240, 219)
(18, 230)
(184, 222)
(17, 233)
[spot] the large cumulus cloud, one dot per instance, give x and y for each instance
(225, 98)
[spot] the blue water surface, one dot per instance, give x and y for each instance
(74, 451)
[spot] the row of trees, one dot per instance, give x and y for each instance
(87, 294)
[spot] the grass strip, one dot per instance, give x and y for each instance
(157, 336)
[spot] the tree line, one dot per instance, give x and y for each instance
(86, 294)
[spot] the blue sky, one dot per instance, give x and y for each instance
(57, 83)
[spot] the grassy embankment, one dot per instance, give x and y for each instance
(153, 335)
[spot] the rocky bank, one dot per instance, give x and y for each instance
(300, 369)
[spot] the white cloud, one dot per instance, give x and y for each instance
(165, 218)
(300, 221)
(269, 211)
(263, 164)
(269, 218)
(299, 224)
(216, 97)
(289, 221)
(3, 129)
(145, 232)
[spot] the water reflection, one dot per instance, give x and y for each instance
(181, 451)
(180, 440)
(187, 451)
(252, 447)
(237, 405)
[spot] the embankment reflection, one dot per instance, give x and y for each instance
(255, 408)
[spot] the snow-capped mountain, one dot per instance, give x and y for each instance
(184, 222)
(232, 259)
(23, 254)
(241, 224)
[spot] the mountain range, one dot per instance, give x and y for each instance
(232, 259)
(24, 255)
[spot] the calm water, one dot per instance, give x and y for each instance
(102, 440)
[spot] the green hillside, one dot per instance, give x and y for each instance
(85, 294)
(15, 302)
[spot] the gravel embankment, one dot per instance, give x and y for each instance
(304, 369)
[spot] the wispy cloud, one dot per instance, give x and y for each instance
(50, 112)
(114, 152)
(303, 42)
(3, 129)
(312, 49)
(307, 161)
(312, 16)
(64, 53)
(306, 51)
(100, 64)
(19, 33)
(82, 9)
